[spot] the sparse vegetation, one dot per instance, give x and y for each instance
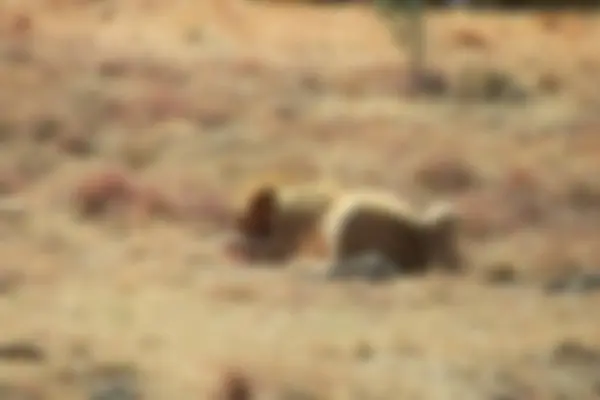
(156, 113)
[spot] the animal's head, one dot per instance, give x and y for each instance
(257, 219)
(273, 226)
(441, 225)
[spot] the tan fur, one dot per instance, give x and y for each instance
(381, 222)
(278, 223)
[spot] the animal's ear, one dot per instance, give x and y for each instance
(257, 219)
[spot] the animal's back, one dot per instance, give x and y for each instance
(367, 221)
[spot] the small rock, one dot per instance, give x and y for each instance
(22, 351)
(489, 85)
(114, 382)
(549, 84)
(370, 266)
(583, 196)
(46, 129)
(501, 274)
(429, 82)
(236, 386)
(580, 282)
(571, 352)
(77, 145)
(364, 351)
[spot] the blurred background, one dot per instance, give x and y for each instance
(130, 128)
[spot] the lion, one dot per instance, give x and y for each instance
(277, 224)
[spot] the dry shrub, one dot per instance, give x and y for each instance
(22, 350)
(62, 132)
(46, 128)
(139, 152)
(76, 144)
(21, 25)
(430, 82)
(159, 72)
(115, 68)
(549, 83)
(151, 203)
(113, 107)
(238, 293)
(10, 181)
(482, 216)
(310, 81)
(215, 111)
(582, 196)
(550, 22)
(116, 193)
(470, 38)
(570, 351)
(165, 104)
(501, 272)
(236, 386)
(528, 202)
(448, 175)
(17, 53)
(489, 84)
(194, 35)
(249, 65)
(103, 192)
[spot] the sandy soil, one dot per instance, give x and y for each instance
(162, 110)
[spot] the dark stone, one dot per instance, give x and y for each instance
(46, 129)
(501, 274)
(237, 387)
(364, 351)
(429, 82)
(572, 352)
(580, 282)
(22, 351)
(114, 382)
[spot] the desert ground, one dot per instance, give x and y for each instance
(127, 128)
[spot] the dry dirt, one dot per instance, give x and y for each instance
(127, 125)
